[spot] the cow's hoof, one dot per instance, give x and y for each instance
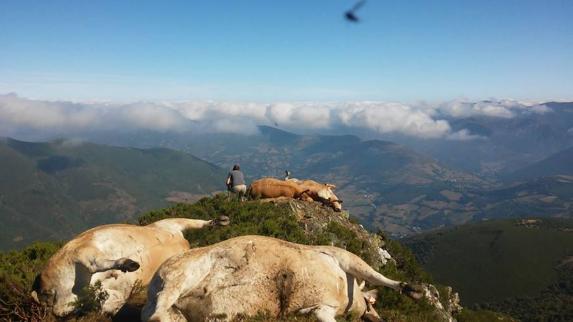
(414, 291)
(222, 221)
(129, 266)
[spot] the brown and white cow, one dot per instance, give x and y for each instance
(308, 190)
(321, 192)
(252, 274)
(117, 255)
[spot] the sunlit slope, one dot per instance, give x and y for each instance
(541, 197)
(53, 190)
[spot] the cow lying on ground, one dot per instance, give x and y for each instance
(321, 192)
(274, 188)
(117, 255)
(308, 190)
(252, 274)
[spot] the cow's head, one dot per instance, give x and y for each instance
(53, 290)
(413, 290)
(328, 197)
(220, 221)
(43, 291)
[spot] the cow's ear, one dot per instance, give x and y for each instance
(330, 185)
(371, 296)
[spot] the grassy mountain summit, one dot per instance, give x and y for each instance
(521, 267)
(55, 190)
(295, 221)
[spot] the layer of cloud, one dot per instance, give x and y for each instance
(464, 135)
(19, 114)
(491, 108)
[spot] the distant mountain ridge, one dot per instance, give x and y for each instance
(384, 184)
(560, 163)
(54, 190)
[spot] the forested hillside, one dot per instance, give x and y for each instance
(522, 267)
(55, 190)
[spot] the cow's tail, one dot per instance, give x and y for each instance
(358, 268)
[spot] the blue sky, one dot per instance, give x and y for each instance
(279, 50)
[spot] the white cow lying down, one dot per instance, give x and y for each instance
(117, 255)
(251, 274)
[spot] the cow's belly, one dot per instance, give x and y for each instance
(228, 302)
(272, 286)
(318, 282)
(276, 194)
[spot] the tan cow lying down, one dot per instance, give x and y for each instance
(274, 188)
(251, 274)
(117, 255)
(307, 190)
(321, 192)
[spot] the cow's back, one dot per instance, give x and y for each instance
(274, 188)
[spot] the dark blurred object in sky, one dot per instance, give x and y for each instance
(350, 15)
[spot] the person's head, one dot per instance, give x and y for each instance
(236, 167)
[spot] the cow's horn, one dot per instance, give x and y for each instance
(34, 296)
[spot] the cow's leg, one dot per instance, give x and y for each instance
(114, 302)
(180, 225)
(357, 267)
(325, 313)
(95, 261)
(174, 279)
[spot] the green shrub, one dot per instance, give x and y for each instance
(247, 218)
(468, 315)
(90, 299)
(18, 270)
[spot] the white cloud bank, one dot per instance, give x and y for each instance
(491, 108)
(20, 114)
